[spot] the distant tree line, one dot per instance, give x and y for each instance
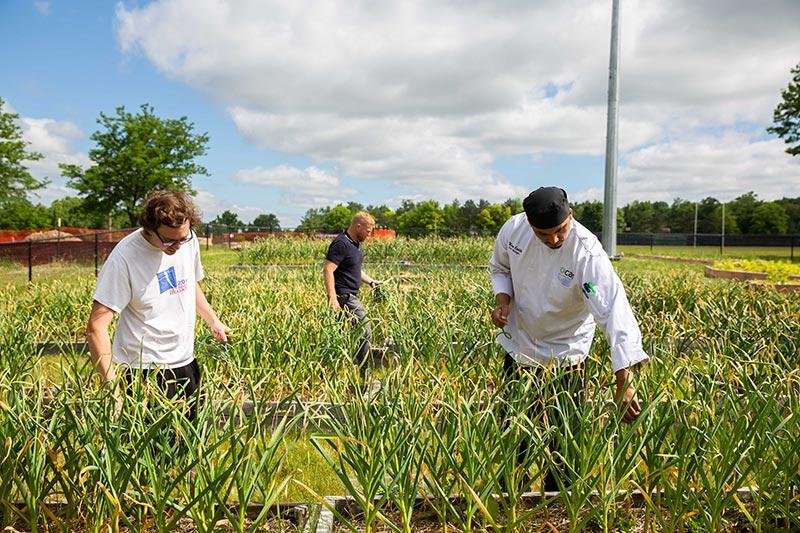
(744, 215)
(263, 222)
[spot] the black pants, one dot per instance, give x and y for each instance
(183, 381)
(571, 380)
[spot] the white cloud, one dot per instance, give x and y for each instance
(51, 192)
(303, 188)
(720, 166)
(409, 153)
(42, 7)
(246, 213)
(426, 95)
(211, 206)
(589, 195)
(55, 140)
(7, 108)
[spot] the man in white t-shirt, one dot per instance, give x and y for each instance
(151, 279)
(553, 282)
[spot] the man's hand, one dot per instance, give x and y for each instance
(333, 303)
(500, 314)
(625, 395)
(119, 400)
(220, 330)
(115, 388)
(374, 283)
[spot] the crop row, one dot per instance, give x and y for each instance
(721, 397)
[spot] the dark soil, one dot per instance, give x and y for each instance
(630, 519)
(273, 524)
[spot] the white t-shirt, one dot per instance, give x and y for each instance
(557, 297)
(154, 294)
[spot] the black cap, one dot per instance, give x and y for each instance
(546, 207)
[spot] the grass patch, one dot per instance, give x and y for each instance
(713, 252)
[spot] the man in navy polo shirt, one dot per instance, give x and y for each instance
(343, 277)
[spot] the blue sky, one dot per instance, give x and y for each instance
(310, 103)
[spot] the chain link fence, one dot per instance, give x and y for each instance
(723, 244)
(86, 248)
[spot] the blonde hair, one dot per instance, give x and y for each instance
(363, 216)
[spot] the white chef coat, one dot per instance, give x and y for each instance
(557, 297)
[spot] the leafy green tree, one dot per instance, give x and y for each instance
(646, 217)
(636, 216)
(384, 216)
(137, 153)
(590, 214)
(769, 218)
(743, 209)
(731, 227)
(72, 212)
(337, 219)
(786, 116)
(706, 209)
(228, 218)
(355, 207)
(312, 220)
(659, 223)
(620, 220)
(405, 205)
(267, 221)
(15, 180)
(792, 208)
(492, 218)
(681, 216)
(468, 219)
(451, 213)
(20, 213)
(515, 205)
(424, 219)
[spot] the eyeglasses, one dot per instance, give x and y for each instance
(169, 243)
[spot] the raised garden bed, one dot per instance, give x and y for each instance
(754, 279)
(284, 517)
(545, 512)
(61, 348)
(782, 287)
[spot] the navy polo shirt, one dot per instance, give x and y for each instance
(348, 255)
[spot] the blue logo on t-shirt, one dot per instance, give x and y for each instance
(167, 280)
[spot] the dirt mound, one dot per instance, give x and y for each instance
(52, 235)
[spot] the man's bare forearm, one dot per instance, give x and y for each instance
(624, 376)
(330, 284)
(100, 350)
(99, 340)
(502, 298)
(204, 309)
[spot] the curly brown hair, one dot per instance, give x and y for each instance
(168, 208)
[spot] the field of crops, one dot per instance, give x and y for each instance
(438, 442)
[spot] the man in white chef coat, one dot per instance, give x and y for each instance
(553, 282)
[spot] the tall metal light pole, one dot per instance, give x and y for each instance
(722, 239)
(610, 196)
